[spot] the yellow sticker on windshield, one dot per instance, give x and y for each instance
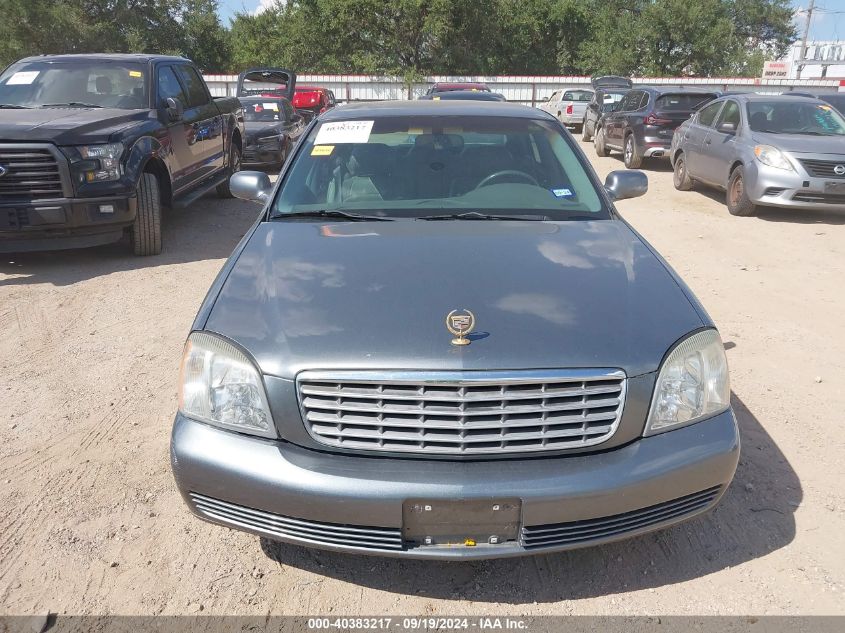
(416, 130)
(136, 73)
(322, 150)
(825, 108)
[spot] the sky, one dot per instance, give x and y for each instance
(828, 18)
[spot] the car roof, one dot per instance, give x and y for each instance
(678, 90)
(460, 85)
(478, 95)
(754, 96)
(114, 57)
(450, 107)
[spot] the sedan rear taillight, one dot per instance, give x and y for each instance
(651, 119)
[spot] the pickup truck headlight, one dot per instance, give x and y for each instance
(270, 140)
(221, 386)
(772, 157)
(96, 163)
(692, 384)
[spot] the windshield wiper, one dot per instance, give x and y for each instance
(341, 215)
(477, 215)
(12, 106)
(71, 104)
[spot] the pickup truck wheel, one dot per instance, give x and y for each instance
(146, 230)
(601, 148)
(223, 190)
(737, 198)
(681, 178)
(632, 158)
(585, 135)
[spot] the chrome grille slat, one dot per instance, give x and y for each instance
(462, 413)
(589, 529)
(389, 409)
(302, 529)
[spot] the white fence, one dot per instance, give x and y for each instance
(528, 90)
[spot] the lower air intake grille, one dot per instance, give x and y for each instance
(377, 538)
(558, 534)
(462, 412)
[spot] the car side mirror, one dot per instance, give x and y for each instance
(727, 128)
(254, 186)
(175, 109)
(627, 183)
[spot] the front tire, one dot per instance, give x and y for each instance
(739, 203)
(631, 157)
(146, 230)
(680, 177)
(223, 190)
(601, 148)
(585, 135)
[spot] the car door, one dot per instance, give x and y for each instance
(293, 123)
(592, 113)
(204, 125)
(178, 156)
(719, 148)
(550, 103)
(618, 118)
(696, 131)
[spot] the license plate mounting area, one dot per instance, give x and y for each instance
(460, 522)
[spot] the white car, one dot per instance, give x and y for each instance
(568, 105)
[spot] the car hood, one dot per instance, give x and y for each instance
(803, 143)
(375, 295)
(259, 129)
(66, 126)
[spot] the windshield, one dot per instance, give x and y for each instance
(418, 166)
(577, 95)
(795, 117)
(264, 110)
(93, 83)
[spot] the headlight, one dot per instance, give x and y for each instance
(96, 163)
(692, 384)
(270, 139)
(220, 385)
(772, 157)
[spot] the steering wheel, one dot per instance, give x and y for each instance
(489, 180)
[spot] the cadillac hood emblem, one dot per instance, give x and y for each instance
(460, 323)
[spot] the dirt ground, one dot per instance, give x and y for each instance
(91, 521)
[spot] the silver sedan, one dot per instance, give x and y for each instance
(763, 150)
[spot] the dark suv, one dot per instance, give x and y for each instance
(643, 121)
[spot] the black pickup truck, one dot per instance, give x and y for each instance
(93, 146)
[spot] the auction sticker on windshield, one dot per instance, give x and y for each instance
(344, 132)
(23, 78)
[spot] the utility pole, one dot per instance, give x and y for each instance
(804, 38)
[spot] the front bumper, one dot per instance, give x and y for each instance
(772, 187)
(64, 222)
(356, 504)
(256, 155)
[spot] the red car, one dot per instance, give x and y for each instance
(310, 101)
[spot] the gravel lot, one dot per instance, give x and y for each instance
(91, 523)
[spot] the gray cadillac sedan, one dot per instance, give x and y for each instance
(440, 340)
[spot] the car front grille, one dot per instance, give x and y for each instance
(822, 198)
(577, 532)
(30, 173)
(462, 413)
(269, 523)
(823, 168)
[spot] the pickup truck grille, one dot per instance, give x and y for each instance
(823, 168)
(462, 413)
(29, 173)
